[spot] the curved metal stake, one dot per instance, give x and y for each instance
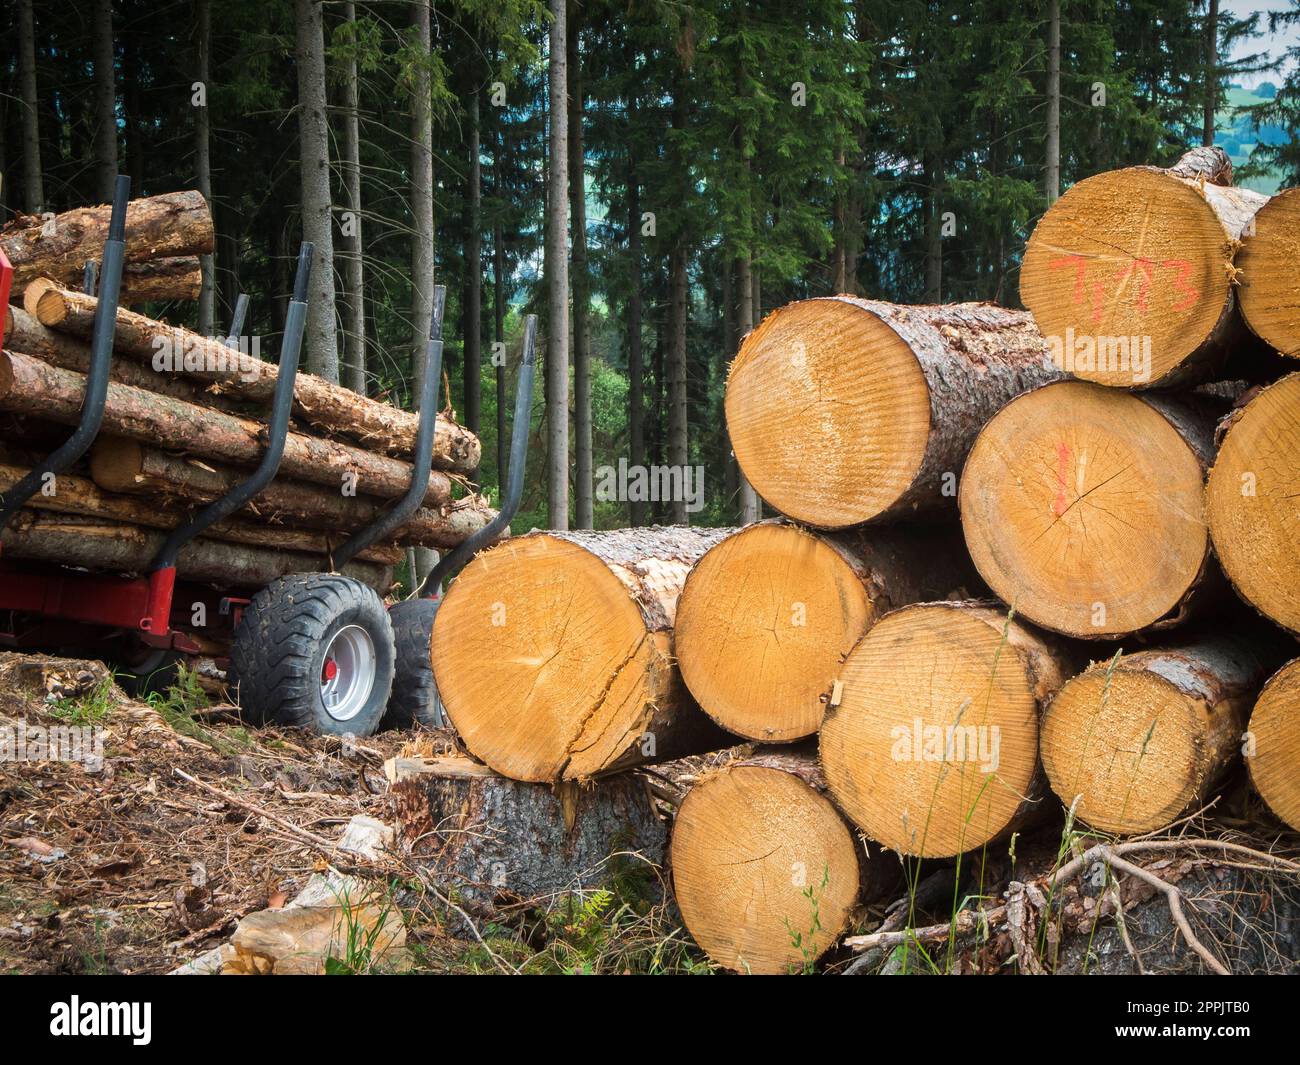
(101, 355)
(449, 565)
(401, 512)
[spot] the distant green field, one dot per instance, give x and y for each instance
(1238, 136)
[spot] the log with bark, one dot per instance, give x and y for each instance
(1140, 739)
(30, 386)
(493, 842)
(327, 406)
(932, 745)
(1130, 274)
(173, 225)
(1252, 501)
(768, 614)
(1082, 508)
(120, 465)
(766, 871)
(178, 278)
(114, 547)
(553, 653)
(24, 333)
(842, 410)
(1273, 744)
(1268, 294)
(69, 494)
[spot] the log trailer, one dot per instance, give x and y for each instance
(319, 650)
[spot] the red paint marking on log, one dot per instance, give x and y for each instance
(1062, 465)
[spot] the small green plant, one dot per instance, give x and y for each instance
(178, 706)
(89, 708)
(365, 933)
(805, 942)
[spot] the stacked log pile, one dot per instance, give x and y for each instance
(1000, 584)
(185, 421)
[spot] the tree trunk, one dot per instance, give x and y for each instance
(760, 654)
(422, 229)
(635, 355)
(1052, 180)
(1274, 744)
(579, 626)
(497, 842)
(1211, 72)
(584, 514)
(499, 315)
(932, 749)
(557, 276)
(678, 443)
(116, 548)
(1140, 739)
(175, 224)
(322, 353)
(1269, 297)
(202, 161)
(324, 404)
(750, 842)
(354, 336)
(474, 268)
(77, 495)
(33, 180)
(751, 510)
(29, 386)
(888, 398)
(1250, 501)
(119, 465)
(933, 229)
(1104, 283)
(105, 99)
(1054, 489)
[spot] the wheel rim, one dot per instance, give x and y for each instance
(348, 673)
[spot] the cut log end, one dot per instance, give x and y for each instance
(1129, 745)
(1274, 747)
(1082, 509)
(1136, 253)
(1269, 297)
(933, 749)
(762, 624)
(826, 378)
(765, 871)
(1252, 502)
(554, 660)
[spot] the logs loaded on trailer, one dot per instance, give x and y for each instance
(164, 237)
(135, 454)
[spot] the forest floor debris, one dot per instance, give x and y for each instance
(195, 834)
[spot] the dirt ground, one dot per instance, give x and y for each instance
(193, 820)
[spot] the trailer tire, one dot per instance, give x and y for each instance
(141, 672)
(415, 698)
(314, 651)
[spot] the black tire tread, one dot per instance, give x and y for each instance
(275, 646)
